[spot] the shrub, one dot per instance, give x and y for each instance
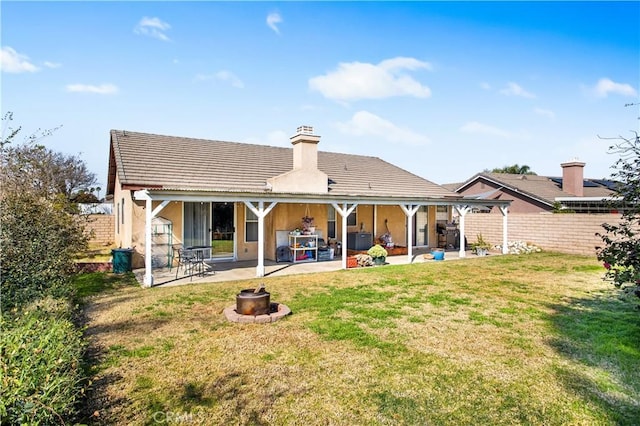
(40, 239)
(377, 251)
(40, 365)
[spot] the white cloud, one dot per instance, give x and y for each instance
(514, 89)
(222, 75)
(14, 62)
(545, 113)
(153, 27)
(484, 85)
(475, 127)
(606, 86)
(357, 80)
(230, 77)
(364, 123)
(52, 64)
(273, 19)
(103, 89)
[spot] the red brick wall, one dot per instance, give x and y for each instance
(567, 233)
(103, 228)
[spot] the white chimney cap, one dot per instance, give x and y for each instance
(305, 130)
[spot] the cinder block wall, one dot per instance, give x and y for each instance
(103, 226)
(567, 233)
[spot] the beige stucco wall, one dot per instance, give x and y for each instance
(123, 212)
(396, 222)
(283, 217)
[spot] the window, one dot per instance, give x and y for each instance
(331, 222)
(250, 225)
(352, 219)
(122, 214)
(442, 213)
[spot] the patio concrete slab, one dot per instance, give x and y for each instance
(245, 270)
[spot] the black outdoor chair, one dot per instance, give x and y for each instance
(186, 259)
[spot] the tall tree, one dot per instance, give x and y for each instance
(621, 251)
(515, 169)
(30, 166)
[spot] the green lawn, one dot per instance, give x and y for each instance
(535, 339)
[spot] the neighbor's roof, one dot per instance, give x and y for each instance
(545, 188)
(145, 160)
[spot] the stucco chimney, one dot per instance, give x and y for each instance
(305, 148)
(304, 177)
(573, 178)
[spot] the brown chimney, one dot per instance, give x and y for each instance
(573, 178)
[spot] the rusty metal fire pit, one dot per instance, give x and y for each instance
(250, 302)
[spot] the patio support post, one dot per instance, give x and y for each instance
(462, 211)
(261, 212)
(344, 212)
(409, 211)
(148, 275)
(503, 210)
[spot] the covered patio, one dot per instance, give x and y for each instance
(246, 270)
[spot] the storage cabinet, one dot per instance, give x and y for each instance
(359, 240)
(304, 248)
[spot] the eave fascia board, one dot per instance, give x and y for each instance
(588, 199)
(311, 198)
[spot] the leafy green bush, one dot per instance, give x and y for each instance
(40, 239)
(40, 365)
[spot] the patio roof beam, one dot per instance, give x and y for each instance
(312, 199)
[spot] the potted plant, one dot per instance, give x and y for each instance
(378, 253)
(307, 224)
(480, 247)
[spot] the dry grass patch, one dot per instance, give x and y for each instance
(499, 340)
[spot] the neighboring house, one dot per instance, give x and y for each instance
(167, 190)
(534, 194)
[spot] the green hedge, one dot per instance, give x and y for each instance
(41, 365)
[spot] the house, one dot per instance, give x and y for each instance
(535, 194)
(244, 199)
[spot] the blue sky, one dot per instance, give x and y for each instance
(442, 89)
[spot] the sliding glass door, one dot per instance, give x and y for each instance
(223, 235)
(210, 224)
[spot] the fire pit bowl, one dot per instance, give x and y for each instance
(248, 302)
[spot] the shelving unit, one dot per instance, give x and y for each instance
(303, 244)
(162, 238)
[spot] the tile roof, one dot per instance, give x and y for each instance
(188, 164)
(542, 187)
